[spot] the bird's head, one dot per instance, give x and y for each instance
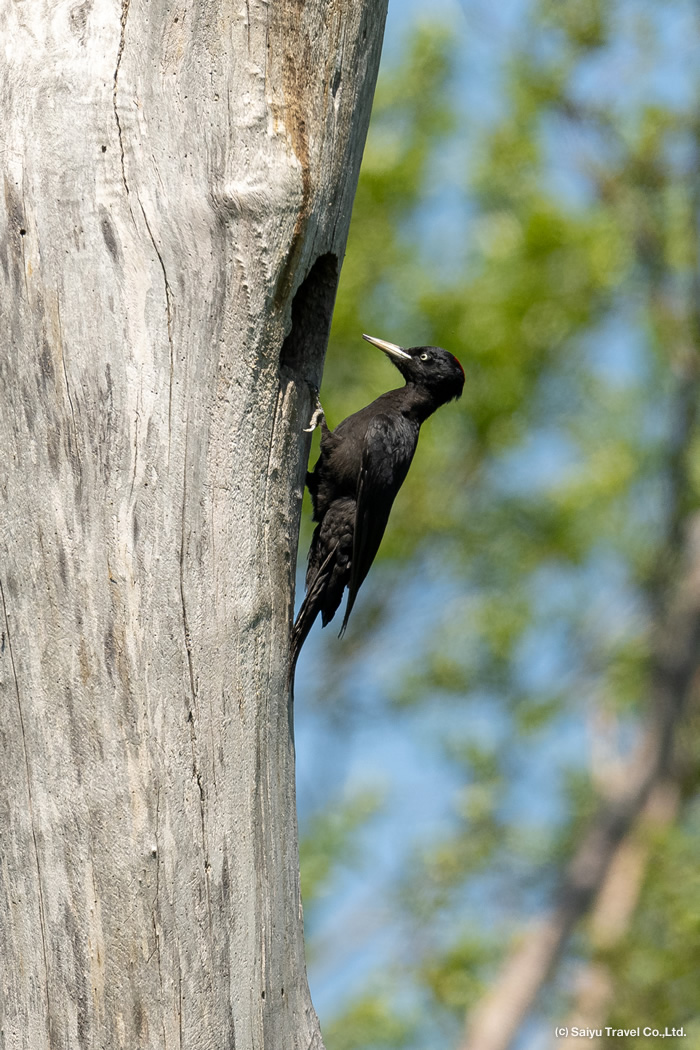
(430, 367)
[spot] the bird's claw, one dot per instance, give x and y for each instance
(317, 418)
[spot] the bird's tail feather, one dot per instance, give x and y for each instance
(310, 608)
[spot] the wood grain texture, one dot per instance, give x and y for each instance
(177, 186)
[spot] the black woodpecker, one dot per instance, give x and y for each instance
(362, 465)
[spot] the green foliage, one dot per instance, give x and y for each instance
(370, 1023)
(451, 979)
(554, 492)
(583, 26)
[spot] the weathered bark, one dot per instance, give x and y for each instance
(176, 174)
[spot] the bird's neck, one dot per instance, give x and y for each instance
(417, 403)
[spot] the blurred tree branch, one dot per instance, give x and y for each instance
(613, 911)
(674, 680)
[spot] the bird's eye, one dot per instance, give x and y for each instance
(424, 357)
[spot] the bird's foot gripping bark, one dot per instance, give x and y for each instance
(317, 419)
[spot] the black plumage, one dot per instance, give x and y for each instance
(362, 465)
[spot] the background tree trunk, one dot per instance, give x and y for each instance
(175, 175)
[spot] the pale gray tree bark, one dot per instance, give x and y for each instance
(178, 178)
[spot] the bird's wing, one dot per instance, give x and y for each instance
(387, 452)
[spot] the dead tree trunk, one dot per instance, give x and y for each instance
(178, 179)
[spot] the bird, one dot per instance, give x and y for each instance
(360, 469)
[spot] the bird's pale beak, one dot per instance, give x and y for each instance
(389, 348)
